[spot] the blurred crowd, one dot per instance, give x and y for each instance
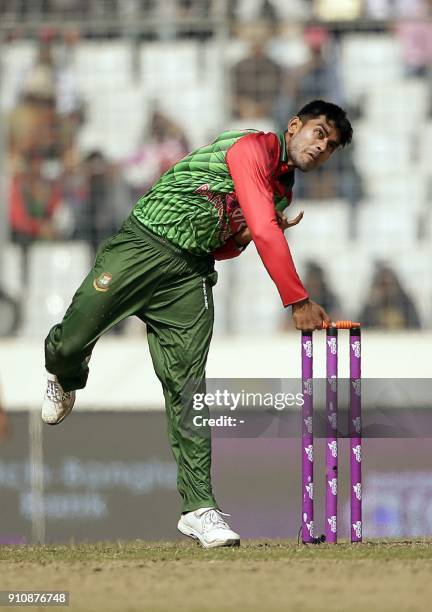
(57, 191)
(387, 304)
(237, 10)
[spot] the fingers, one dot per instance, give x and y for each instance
(325, 316)
(283, 221)
(296, 220)
(280, 218)
(310, 317)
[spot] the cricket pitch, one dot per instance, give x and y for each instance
(260, 576)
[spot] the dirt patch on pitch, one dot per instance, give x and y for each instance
(220, 585)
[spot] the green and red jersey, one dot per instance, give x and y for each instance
(238, 180)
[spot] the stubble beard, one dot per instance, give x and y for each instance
(297, 157)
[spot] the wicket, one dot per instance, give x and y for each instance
(307, 529)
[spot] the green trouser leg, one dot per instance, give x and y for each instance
(136, 273)
(100, 302)
(179, 327)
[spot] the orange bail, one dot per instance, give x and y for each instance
(341, 324)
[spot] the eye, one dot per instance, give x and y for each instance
(320, 132)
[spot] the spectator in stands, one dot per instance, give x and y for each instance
(33, 199)
(34, 152)
(415, 37)
(105, 200)
(164, 143)
(341, 180)
(388, 305)
(70, 104)
(320, 76)
(74, 195)
(256, 81)
(34, 123)
(50, 111)
(42, 132)
(317, 286)
(317, 77)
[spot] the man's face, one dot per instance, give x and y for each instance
(311, 144)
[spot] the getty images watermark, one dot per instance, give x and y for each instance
(232, 401)
(272, 407)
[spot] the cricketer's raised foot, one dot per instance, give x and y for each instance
(208, 527)
(57, 403)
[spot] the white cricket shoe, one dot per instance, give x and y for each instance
(57, 403)
(208, 526)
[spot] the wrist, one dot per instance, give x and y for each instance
(237, 240)
(241, 240)
(300, 304)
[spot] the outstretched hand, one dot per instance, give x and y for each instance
(308, 315)
(283, 221)
(243, 237)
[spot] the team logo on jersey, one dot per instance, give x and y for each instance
(102, 282)
(230, 215)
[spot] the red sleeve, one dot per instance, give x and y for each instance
(251, 162)
(227, 250)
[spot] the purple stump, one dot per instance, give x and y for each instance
(355, 435)
(307, 438)
(331, 438)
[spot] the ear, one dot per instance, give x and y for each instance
(294, 125)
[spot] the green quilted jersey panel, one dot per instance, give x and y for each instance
(188, 204)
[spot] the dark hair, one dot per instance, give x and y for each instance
(333, 113)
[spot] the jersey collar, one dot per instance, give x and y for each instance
(283, 147)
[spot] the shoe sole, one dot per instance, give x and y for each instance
(191, 533)
(62, 418)
(59, 421)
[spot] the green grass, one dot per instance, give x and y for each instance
(260, 576)
(259, 550)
